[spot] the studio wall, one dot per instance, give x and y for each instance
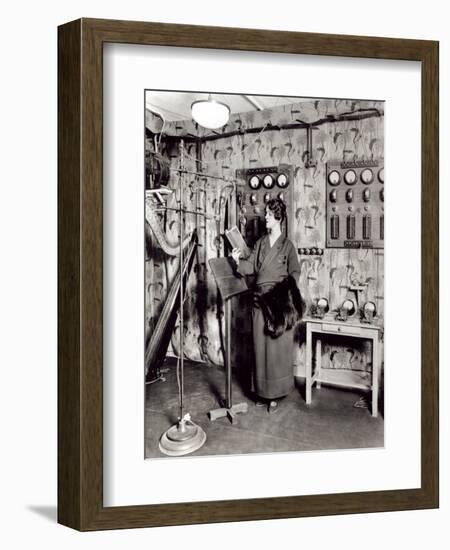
(342, 130)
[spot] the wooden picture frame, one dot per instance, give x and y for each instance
(80, 272)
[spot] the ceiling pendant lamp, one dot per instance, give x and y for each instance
(210, 113)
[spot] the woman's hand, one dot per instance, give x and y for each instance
(236, 254)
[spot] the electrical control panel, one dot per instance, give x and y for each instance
(256, 186)
(355, 204)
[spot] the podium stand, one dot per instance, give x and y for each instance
(229, 285)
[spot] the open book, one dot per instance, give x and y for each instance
(236, 240)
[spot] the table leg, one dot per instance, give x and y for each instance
(308, 365)
(318, 361)
(375, 374)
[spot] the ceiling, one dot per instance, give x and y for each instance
(177, 105)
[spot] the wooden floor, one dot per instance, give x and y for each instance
(331, 421)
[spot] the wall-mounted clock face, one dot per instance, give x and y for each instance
(350, 177)
(254, 182)
(381, 175)
(268, 181)
(334, 177)
(367, 176)
(282, 181)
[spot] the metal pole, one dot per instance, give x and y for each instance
(181, 287)
(229, 399)
(197, 213)
(203, 175)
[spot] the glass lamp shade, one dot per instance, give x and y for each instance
(209, 113)
(369, 311)
(346, 310)
(349, 307)
(320, 308)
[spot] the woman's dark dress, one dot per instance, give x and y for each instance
(273, 376)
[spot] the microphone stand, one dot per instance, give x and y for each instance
(185, 436)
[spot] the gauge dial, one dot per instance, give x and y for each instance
(367, 176)
(282, 181)
(334, 177)
(381, 175)
(350, 177)
(268, 181)
(254, 182)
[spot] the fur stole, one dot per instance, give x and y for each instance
(282, 307)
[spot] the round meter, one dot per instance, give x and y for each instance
(381, 175)
(350, 177)
(268, 181)
(254, 182)
(334, 177)
(282, 181)
(367, 176)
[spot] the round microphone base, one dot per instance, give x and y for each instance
(182, 438)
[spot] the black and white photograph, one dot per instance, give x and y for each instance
(211, 333)
(264, 273)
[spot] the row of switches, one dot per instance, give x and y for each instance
(349, 195)
(351, 224)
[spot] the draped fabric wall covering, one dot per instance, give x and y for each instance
(327, 276)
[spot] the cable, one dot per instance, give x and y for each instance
(160, 377)
(163, 118)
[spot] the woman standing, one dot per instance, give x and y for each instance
(272, 260)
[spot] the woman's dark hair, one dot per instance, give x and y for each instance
(278, 208)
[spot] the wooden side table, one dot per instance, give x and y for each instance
(343, 328)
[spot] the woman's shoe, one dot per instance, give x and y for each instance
(273, 407)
